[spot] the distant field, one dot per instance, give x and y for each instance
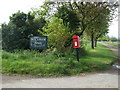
(117, 44)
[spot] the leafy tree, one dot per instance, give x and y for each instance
(17, 32)
(70, 20)
(89, 11)
(69, 17)
(98, 28)
(57, 33)
(12, 37)
(105, 37)
(112, 38)
(45, 11)
(19, 19)
(84, 15)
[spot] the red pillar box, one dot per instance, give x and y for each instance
(76, 42)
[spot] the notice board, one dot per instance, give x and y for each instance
(38, 42)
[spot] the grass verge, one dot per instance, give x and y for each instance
(116, 44)
(38, 64)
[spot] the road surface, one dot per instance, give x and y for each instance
(103, 79)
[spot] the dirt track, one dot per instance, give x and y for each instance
(103, 79)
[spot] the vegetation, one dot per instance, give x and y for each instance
(58, 34)
(26, 62)
(116, 44)
(107, 38)
(59, 21)
(77, 18)
(92, 17)
(16, 34)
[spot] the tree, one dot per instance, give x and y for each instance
(85, 14)
(12, 37)
(105, 37)
(112, 38)
(69, 17)
(98, 28)
(17, 32)
(57, 33)
(70, 20)
(19, 19)
(89, 17)
(89, 11)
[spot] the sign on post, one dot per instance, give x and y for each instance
(37, 42)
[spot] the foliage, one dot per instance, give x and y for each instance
(75, 18)
(45, 10)
(106, 37)
(88, 12)
(112, 38)
(90, 17)
(19, 19)
(69, 17)
(113, 43)
(57, 33)
(17, 32)
(99, 27)
(29, 62)
(12, 37)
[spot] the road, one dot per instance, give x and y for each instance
(101, 79)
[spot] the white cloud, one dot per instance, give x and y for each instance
(113, 29)
(8, 7)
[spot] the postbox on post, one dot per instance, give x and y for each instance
(76, 42)
(76, 45)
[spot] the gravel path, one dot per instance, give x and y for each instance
(103, 79)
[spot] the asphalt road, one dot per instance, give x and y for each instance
(96, 80)
(103, 79)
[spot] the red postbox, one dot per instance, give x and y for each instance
(76, 42)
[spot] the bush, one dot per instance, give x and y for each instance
(16, 34)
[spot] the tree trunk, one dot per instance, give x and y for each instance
(92, 41)
(95, 43)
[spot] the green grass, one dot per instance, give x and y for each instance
(39, 64)
(116, 44)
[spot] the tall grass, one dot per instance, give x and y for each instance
(30, 62)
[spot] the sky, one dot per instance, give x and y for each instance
(113, 29)
(8, 7)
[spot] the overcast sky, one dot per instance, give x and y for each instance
(113, 29)
(8, 7)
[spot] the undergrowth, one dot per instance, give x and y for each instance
(31, 62)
